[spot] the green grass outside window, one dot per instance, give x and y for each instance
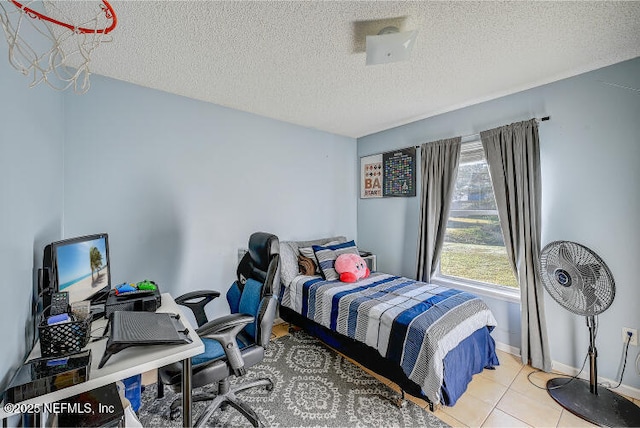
(484, 263)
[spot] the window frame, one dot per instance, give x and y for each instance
(497, 291)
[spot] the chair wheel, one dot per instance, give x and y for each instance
(174, 414)
(401, 403)
(269, 387)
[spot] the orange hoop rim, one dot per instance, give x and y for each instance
(108, 10)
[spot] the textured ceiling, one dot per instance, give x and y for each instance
(304, 62)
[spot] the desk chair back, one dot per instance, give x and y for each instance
(252, 292)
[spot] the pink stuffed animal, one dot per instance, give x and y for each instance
(351, 267)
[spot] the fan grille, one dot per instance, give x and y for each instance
(576, 278)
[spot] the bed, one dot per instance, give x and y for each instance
(428, 339)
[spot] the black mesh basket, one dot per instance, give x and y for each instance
(62, 339)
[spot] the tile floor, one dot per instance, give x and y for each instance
(498, 398)
(495, 398)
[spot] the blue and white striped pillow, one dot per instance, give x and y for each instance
(327, 255)
(308, 252)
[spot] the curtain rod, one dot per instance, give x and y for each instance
(473, 137)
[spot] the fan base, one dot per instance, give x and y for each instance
(605, 409)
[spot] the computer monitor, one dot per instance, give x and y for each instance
(79, 266)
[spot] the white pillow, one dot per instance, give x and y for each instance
(288, 263)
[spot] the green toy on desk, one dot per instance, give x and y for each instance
(147, 285)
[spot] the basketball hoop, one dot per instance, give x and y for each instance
(69, 37)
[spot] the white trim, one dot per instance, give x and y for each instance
(508, 349)
(462, 213)
(500, 293)
(623, 389)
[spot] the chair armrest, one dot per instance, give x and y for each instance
(224, 330)
(224, 323)
(197, 307)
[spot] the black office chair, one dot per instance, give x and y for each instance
(234, 342)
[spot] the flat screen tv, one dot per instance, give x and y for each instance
(79, 266)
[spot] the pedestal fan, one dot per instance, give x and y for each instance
(582, 283)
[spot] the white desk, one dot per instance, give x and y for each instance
(131, 361)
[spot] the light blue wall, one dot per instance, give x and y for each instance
(180, 184)
(167, 178)
(31, 186)
(590, 155)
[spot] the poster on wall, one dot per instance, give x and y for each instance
(399, 174)
(371, 176)
(388, 174)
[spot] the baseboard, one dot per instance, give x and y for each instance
(623, 389)
(508, 349)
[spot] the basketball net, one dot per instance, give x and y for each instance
(50, 42)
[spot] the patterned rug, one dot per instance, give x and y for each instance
(314, 387)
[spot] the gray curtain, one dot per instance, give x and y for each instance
(513, 155)
(439, 170)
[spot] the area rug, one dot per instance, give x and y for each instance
(314, 387)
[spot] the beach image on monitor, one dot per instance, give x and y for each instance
(82, 268)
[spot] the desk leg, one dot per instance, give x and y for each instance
(186, 393)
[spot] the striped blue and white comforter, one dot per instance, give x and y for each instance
(412, 323)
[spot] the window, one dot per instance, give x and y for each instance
(473, 250)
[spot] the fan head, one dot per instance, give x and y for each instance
(576, 278)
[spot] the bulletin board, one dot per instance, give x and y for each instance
(389, 174)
